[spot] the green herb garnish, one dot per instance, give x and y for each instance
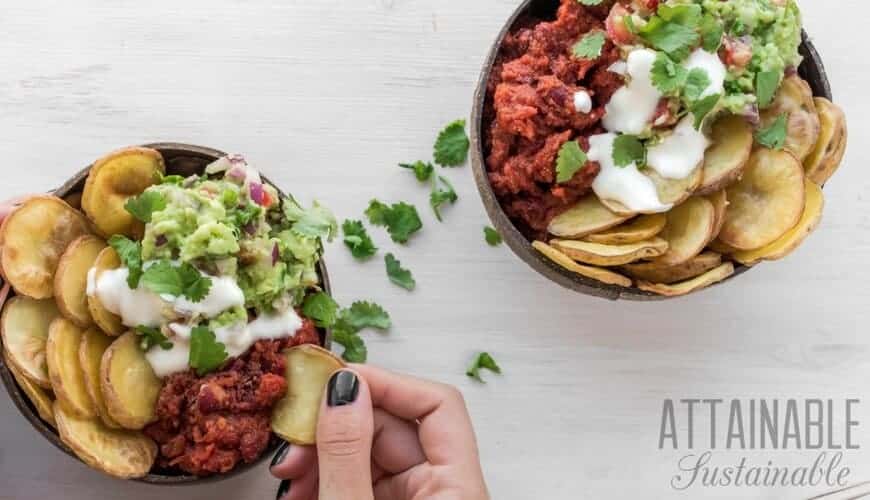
(569, 161)
(163, 278)
(423, 171)
(451, 148)
(442, 192)
(320, 308)
(697, 82)
(702, 107)
(150, 337)
(206, 353)
(482, 361)
(144, 205)
(590, 46)
(628, 149)
(130, 253)
(668, 76)
(397, 274)
(766, 84)
(774, 136)
(401, 219)
(492, 237)
(357, 239)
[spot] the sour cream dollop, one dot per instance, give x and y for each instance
(582, 101)
(712, 65)
(679, 154)
(632, 107)
(626, 185)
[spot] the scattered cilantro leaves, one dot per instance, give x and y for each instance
(711, 33)
(423, 171)
(702, 107)
(766, 84)
(442, 192)
(451, 148)
(589, 47)
(355, 350)
(321, 308)
(482, 361)
(401, 219)
(774, 136)
(492, 237)
(130, 253)
(143, 206)
(628, 149)
(184, 280)
(362, 315)
(357, 239)
(668, 76)
(150, 337)
(673, 29)
(315, 222)
(697, 82)
(570, 160)
(397, 274)
(206, 353)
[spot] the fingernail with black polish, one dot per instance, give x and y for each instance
(283, 488)
(343, 388)
(280, 455)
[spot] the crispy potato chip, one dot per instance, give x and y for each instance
(123, 454)
(71, 279)
(792, 239)
(25, 323)
(595, 273)
(40, 398)
(719, 200)
(587, 216)
(766, 202)
(294, 418)
(655, 272)
(725, 159)
(93, 344)
(670, 191)
(828, 152)
(33, 238)
(688, 230)
(719, 247)
(64, 369)
(108, 321)
(130, 387)
(795, 98)
(598, 254)
(638, 229)
(711, 277)
(113, 180)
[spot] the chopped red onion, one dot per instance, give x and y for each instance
(276, 254)
(250, 228)
(160, 240)
(750, 112)
(237, 173)
(257, 193)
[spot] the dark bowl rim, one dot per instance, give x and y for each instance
(812, 69)
(25, 407)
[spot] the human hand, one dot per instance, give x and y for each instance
(385, 436)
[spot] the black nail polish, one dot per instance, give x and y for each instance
(280, 454)
(283, 488)
(343, 388)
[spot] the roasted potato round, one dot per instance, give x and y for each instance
(725, 159)
(795, 99)
(687, 231)
(828, 152)
(655, 272)
(719, 200)
(130, 387)
(24, 325)
(64, 369)
(670, 191)
(39, 397)
(638, 229)
(598, 254)
(109, 322)
(71, 278)
(711, 277)
(93, 344)
(113, 180)
(586, 217)
(33, 238)
(595, 273)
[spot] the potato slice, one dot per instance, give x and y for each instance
(294, 418)
(597, 254)
(655, 272)
(828, 152)
(633, 231)
(725, 160)
(64, 369)
(719, 200)
(719, 247)
(108, 321)
(766, 202)
(595, 273)
(795, 98)
(688, 230)
(25, 323)
(113, 180)
(130, 387)
(711, 277)
(71, 279)
(33, 238)
(670, 191)
(93, 344)
(586, 217)
(39, 397)
(123, 454)
(795, 236)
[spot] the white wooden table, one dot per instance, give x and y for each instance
(326, 96)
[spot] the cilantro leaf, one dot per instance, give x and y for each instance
(697, 82)
(144, 205)
(171, 179)
(590, 46)
(401, 219)
(194, 285)
(316, 222)
(482, 361)
(569, 161)
(711, 33)
(165, 279)
(354, 347)
(628, 149)
(774, 136)
(362, 315)
(766, 84)
(667, 76)
(423, 171)
(130, 253)
(357, 239)
(590, 2)
(451, 148)
(685, 14)
(206, 353)
(492, 237)
(703, 107)
(321, 308)
(442, 192)
(673, 30)
(151, 337)
(397, 274)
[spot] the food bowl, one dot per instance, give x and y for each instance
(181, 159)
(812, 70)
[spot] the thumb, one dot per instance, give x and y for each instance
(344, 439)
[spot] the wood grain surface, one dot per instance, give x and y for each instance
(326, 96)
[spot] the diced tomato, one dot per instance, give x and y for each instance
(617, 31)
(646, 6)
(267, 199)
(735, 53)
